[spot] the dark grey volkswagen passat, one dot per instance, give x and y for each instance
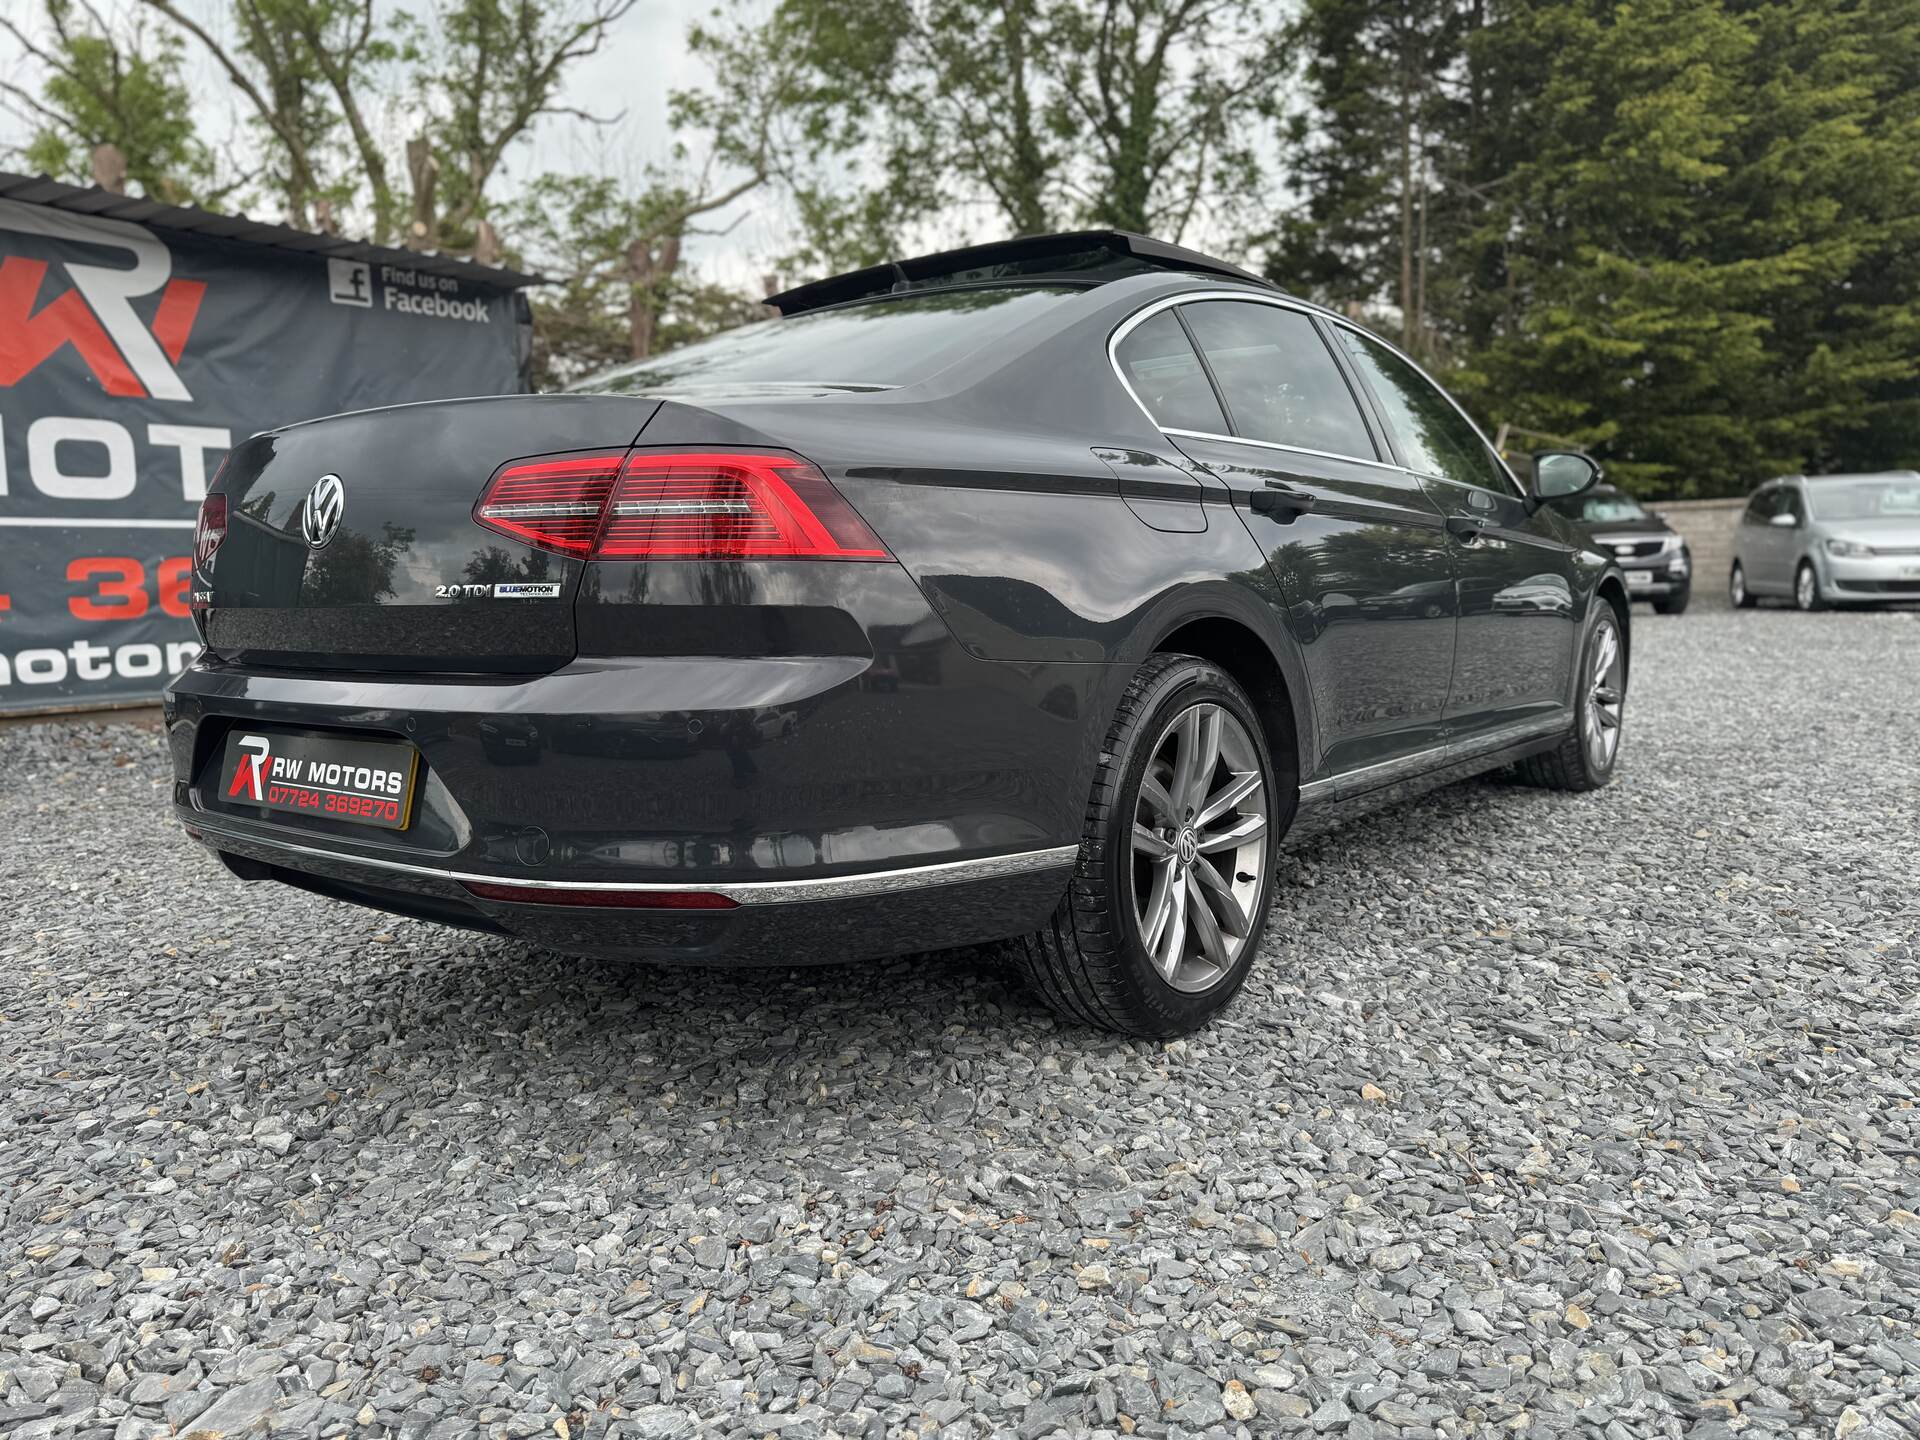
(1028, 592)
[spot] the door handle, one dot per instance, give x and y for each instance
(1282, 502)
(1466, 528)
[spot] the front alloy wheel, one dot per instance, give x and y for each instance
(1584, 757)
(1806, 588)
(1606, 699)
(1199, 847)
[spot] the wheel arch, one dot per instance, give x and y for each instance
(1237, 648)
(1613, 590)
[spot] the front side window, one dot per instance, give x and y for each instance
(1280, 381)
(1159, 363)
(1438, 439)
(1760, 508)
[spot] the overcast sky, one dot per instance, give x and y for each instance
(643, 61)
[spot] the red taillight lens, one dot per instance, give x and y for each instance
(731, 506)
(616, 899)
(210, 530)
(661, 505)
(552, 501)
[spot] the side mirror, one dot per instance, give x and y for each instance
(1560, 475)
(1785, 520)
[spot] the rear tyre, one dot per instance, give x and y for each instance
(1164, 916)
(1806, 588)
(1674, 604)
(1737, 592)
(1585, 758)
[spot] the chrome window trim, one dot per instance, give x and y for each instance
(1515, 490)
(1287, 449)
(1169, 302)
(742, 892)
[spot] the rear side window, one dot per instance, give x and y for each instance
(1159, 363)
(1438, 439)
(876, 345)
(1280, 381)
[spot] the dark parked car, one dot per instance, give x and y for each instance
(1156, 564)
(1652, 555)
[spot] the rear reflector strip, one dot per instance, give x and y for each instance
(612, 899)
(676, 505)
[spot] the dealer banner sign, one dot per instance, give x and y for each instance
(131, 360)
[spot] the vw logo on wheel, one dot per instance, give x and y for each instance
(320, 512)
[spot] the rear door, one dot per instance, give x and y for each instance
(1353, 542)
(1513, 569)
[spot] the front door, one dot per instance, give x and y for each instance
(1354, 542)
(1513, 569)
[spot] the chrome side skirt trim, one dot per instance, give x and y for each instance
(1437, 757)
(742, 892)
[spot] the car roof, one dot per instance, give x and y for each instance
(1861, 475)
(1081, 258)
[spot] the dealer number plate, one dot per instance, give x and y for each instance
(1638, 579)
(367, 782)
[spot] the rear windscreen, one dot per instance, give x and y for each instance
(875, 345)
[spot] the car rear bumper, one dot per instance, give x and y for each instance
(838, 814)
(807, 921)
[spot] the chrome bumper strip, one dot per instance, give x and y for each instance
(742, 892)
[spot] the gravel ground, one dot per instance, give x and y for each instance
(1543, 1115)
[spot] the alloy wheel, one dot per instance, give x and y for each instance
(1737, 586)
(1606, 699)
(1805, 588)
(1200, 840)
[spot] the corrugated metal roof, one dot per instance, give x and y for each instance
(240, 229)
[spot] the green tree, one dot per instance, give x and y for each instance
(1022, 115)
(616, 253)
(485, 72)
(272, 66)
(1705, 234)
(127, 91)
(1376, 155)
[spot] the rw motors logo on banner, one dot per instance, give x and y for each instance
(103, 458)
(129, 365)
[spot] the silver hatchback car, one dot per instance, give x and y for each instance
(1829, 540)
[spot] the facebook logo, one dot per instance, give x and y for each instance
(350, 282)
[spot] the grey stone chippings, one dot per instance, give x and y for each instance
(1541, 1115)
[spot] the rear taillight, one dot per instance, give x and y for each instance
(731, 506)
(210, 530)
(552, 501)
(661, 505)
